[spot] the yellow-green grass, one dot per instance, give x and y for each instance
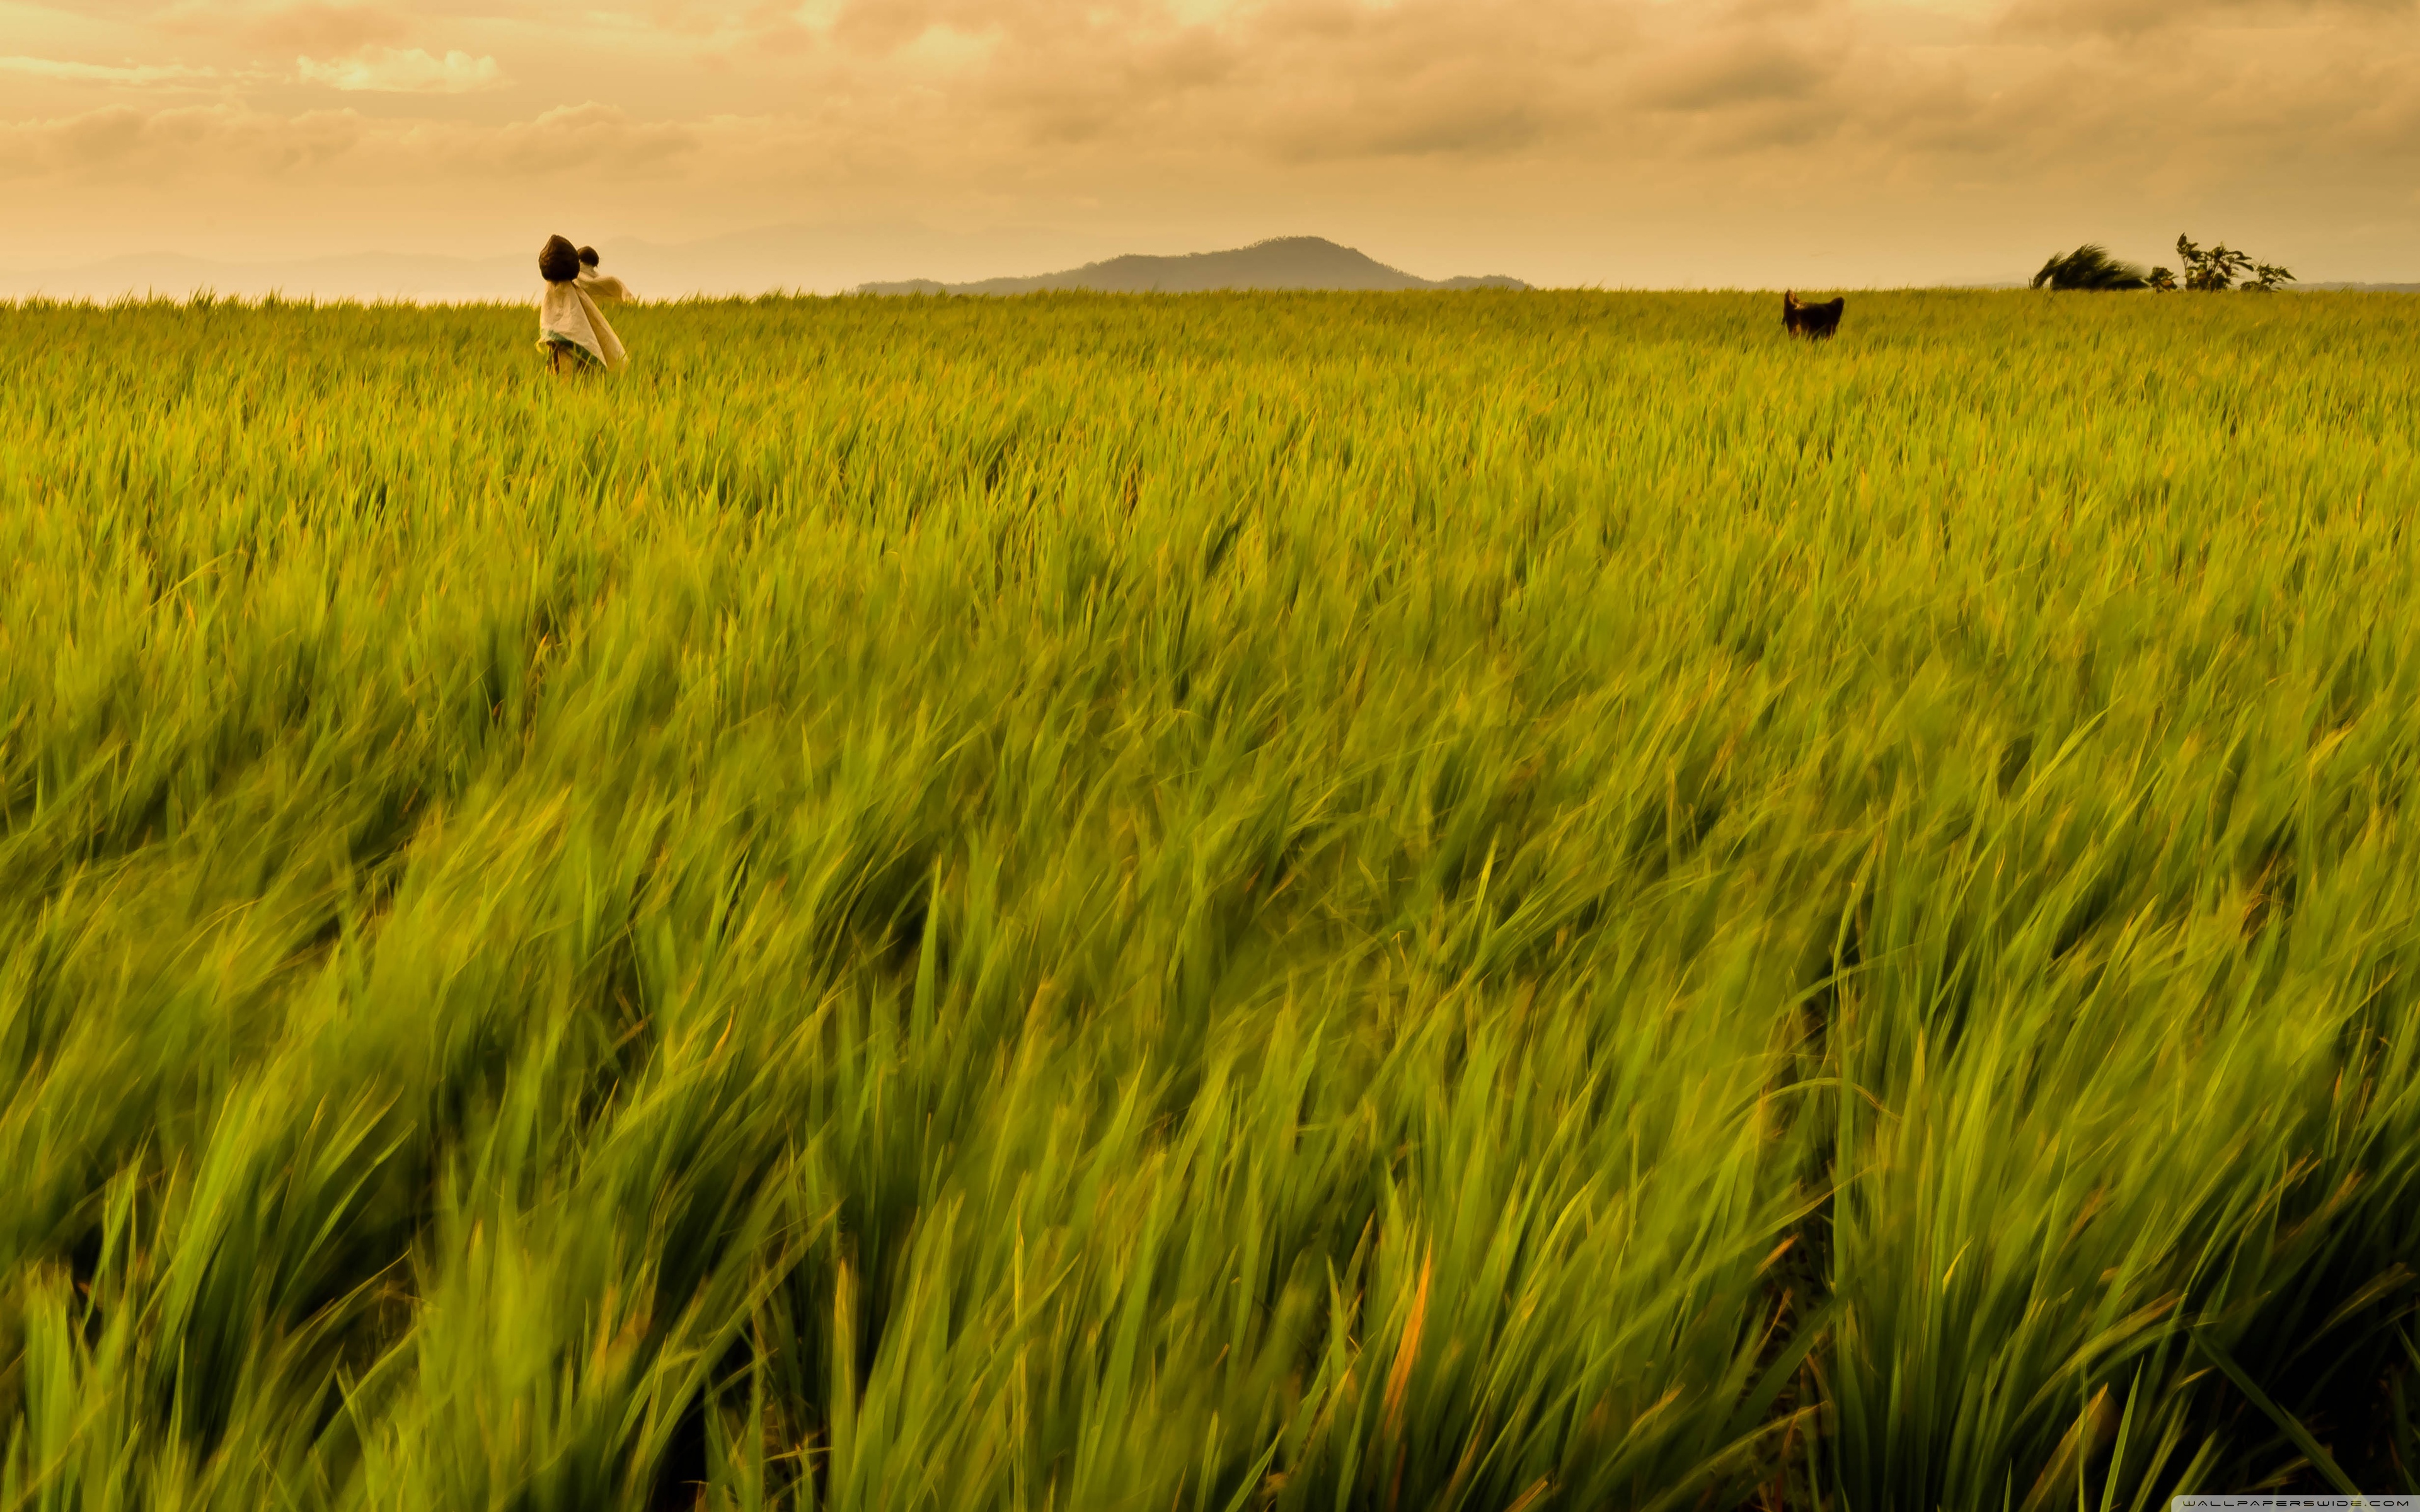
(1394, 902)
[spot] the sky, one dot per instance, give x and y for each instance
(817, 144)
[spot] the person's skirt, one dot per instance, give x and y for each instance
(564, 355)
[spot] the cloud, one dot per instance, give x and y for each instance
(587, 134)
(1337, 79)
(1463, 119)
(2385, 125)
(318, 27)
(1742, 69)
(42, 68)
(122, 144)
(388, 71)
(2128, 18)
(1609, 89)
(1064, 94)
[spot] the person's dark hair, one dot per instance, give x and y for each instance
(558, 261)
(588, 255)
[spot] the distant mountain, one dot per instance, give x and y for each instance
(1285, 262)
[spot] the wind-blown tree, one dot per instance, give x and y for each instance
(2090, 266)
(2216, 269)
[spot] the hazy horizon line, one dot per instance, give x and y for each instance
(851, 257)
(205, 298)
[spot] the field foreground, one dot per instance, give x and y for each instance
(1398, 902)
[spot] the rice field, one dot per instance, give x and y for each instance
(1501, 902)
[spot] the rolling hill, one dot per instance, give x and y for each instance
(1281, 263)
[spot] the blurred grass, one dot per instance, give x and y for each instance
(1489, 900)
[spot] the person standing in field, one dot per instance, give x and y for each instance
(571, 331)
(600, 287)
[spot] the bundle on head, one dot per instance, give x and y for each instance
(588, 257)
(1813, 321)
(558, 261)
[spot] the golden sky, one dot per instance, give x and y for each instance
(1819, 143)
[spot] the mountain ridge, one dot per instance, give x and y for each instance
(1277, 263)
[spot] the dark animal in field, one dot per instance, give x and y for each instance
(1812, 321)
